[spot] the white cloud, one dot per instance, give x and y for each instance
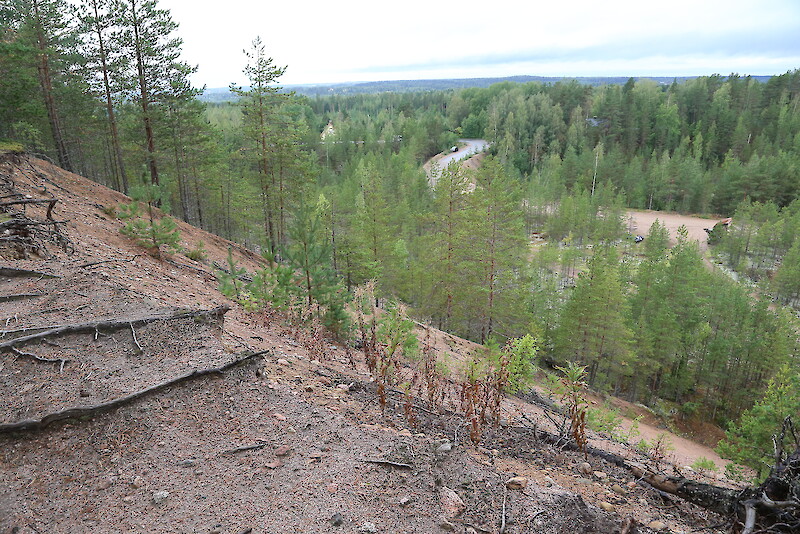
(360, 40)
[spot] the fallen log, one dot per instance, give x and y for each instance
(90, 411)
(113, 324)
(773, 506)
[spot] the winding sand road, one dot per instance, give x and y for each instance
(466, 149)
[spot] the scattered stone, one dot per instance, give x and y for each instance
(600, 475)
(451, 502)
(619, 490)
(137, 482)
(516, 483)
(584, 468)
(279, 417)
(160, 496)
(127, 499)
(291, 430)
(309, 388)
(105, 484)
(274, 464)
(470, 530)
(445, 446)
(84, 393)
(549, 482)
(368, 527)
(216, 530)
(657, 525)
(337, 520)
(187, 463)
(405, 500)
(581, 480)
(333, 487)
(344, 387)
(325, 381)
(283, 450)
(631, 484)
(448, 526)
(282, 361)
(607, 506)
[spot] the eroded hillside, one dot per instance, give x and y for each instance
(137, 398)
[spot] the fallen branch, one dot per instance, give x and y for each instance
(93, 263)
(96, 326)
(19, 296)
(386, 462)
(243, 448)
(91, 411)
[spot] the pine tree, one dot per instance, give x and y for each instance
(309, 256)
(259, 106)
(447, 247)
(43, 29)
(104, 64)
(786, 283)
(749, 442)
(496, 221)
(156, 73)
(594, 329)
(150, 230)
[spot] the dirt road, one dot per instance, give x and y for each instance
(466, 149)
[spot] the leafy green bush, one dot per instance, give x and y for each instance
(605, 419)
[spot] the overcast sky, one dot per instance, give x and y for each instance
(360, 40)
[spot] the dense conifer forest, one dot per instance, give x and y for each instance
(102, 91)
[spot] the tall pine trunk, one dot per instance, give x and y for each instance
(112, 118)
(144, 96)
(46, 83)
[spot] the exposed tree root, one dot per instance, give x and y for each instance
(91, 411)
(12, 272)
(61, 361)
(19, 296)
(215, 314)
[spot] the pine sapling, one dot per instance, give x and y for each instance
(148, 229)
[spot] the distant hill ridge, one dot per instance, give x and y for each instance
(223, 94)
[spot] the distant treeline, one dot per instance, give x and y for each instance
(223, 94)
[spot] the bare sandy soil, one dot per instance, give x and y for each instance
(641, 221)
(291, 440)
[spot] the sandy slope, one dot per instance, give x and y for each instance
(307, 408)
